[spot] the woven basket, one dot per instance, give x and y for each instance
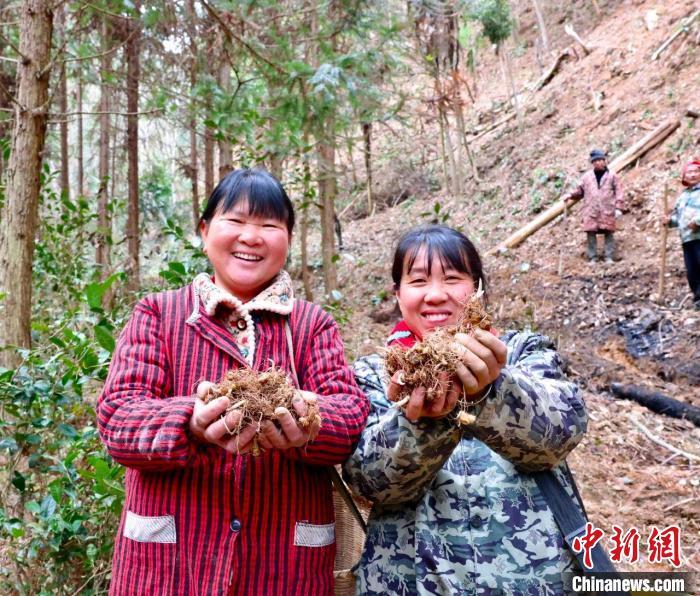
(349, 540)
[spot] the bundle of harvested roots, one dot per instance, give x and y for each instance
(422, 364)
(258, 395)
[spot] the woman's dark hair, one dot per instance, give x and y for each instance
(264, 193)
(452, 248)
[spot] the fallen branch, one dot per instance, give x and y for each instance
(547, 76)
(683, 29)
(492, 126)
(657, 402)
(569, 29)
(654, 439)
(645, 144)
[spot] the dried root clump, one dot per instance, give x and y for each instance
(422, 363)
(258, 395)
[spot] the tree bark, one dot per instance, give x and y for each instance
(459, 116)
(657, 402)
(79, 109)
(63, 108)
(303, 240)
(541, 26)
(508, 75)
(208, 161)
(18, 221)
(103, 224)
(194, 168)
(133, 73)
(225, 152)
(456, 175)
(327, 186)
(367, 136)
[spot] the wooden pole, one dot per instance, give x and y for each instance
(664, 235)
(651, 140)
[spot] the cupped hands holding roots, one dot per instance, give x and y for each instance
(453, 366)
(247, 411)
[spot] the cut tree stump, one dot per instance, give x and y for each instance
(649, 141)
(657, 402)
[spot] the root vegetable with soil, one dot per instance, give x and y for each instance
(258, 395)
(422, 364)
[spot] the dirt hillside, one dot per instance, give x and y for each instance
(636, 469)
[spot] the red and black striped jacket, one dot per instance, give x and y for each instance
(196, 519)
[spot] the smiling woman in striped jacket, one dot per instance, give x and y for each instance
(202, 514)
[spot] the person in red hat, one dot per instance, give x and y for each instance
(686, 217)
(603, 204)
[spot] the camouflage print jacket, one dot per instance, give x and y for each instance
(686, 211)
(455, 511)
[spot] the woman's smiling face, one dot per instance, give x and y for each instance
(247, 251)
(431, 297)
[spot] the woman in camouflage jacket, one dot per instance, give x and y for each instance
(686, 217)
(455, 510)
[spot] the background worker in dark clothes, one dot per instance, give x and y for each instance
(603, 203)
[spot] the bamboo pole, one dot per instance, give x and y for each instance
(649, 141)
(664, 235)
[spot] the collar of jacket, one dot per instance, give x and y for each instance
(235, 331)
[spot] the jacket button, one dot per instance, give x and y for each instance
(476, 522)
(235, 525)
(241, 324)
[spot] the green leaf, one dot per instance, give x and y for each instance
(19, 481)
(105, 338)
(178, 267)
(67, 430)
(94, 293)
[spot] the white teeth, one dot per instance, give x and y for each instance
(247, 257)
(436, 317)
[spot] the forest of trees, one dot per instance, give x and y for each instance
(117, 118)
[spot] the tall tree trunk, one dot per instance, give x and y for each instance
(102, 255)
(350, 146)
(79, 109)
(454, 170)
(208, 161)
(63, 108)
(367, 136)
(508, 76)
(541, 26)
(303, 240)
(7, 80)
(18, 220)
(133, 73)
(327, 186)
(194, 169)
(225, 153)
(443, 152)
(461, 129)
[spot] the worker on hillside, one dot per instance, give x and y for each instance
(603, 204)
(686, 217)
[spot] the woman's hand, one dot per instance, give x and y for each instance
(211, 424)
(417, 406)
(287, 433)
(483, 357)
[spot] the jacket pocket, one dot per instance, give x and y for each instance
(159, 529)
(314, 535)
